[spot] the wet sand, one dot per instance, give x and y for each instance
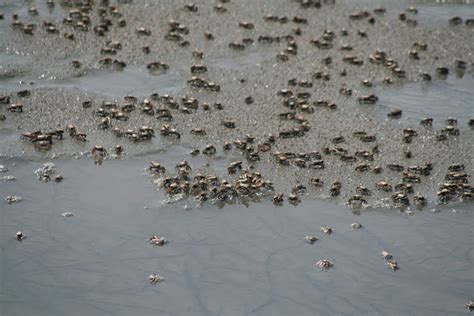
(248, 257)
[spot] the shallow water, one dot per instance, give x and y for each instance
(439, 99)
(132, 80)
(20, 7)
(238, 61)
(238, 260)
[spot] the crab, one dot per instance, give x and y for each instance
(293, 199)
(310, 239)
(394, 113)
(386, 255)
(364, 191)
(411, 178)
(143, 31)
(327, 230)
(155, 278)
(191, 7)
(43, 145)
(157, 66)
(299, 189)
(456, 20)
(15, 107)
(4, 99)
(156, 167)
(99, 150)
(82, 137)
(233, 166)
(166, 130)
(441, 137)
(198, 131)
(13, 199)
(105, 123)
(456, 167)
(400, 198)
(246, 25)
(317, 182)
(395, 167)
(383, 186)
(338, 139)
(157, 240)
(392, 265)
(450, 130)
(282, 57)
(20, 236)
(335, 189)
(278, 198)
(357, 200)
(209, 150)
(356, 225)
(420, 200)
(362, 167)
(368, 99)
(470, 305)
(227, 146)
(324, 264)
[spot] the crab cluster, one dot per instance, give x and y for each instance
(210, 187)
(456, 185)
(391, 263)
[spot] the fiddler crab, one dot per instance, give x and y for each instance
(157, 66)
(391, 263)
(395, 113)
(234, 166)
(209, 150)
(157, 240)
(99, 151)
(357, 200)
(156, 167)
(13, 199)
(335, 189)
(383, 186)
(368, 99)
(324, 264)
(278, 198)
(327, 230)
(166, 130)
(294, 199)
(310, 239)
(155, 278)
(356, 225)
(470, 305)
(20, 236)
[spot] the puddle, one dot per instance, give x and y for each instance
(429, 11)
(442, 12)
(240, 61)
(132, 80)
(20, 7)
(11, 59)
(440, 99)
(238, 260)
